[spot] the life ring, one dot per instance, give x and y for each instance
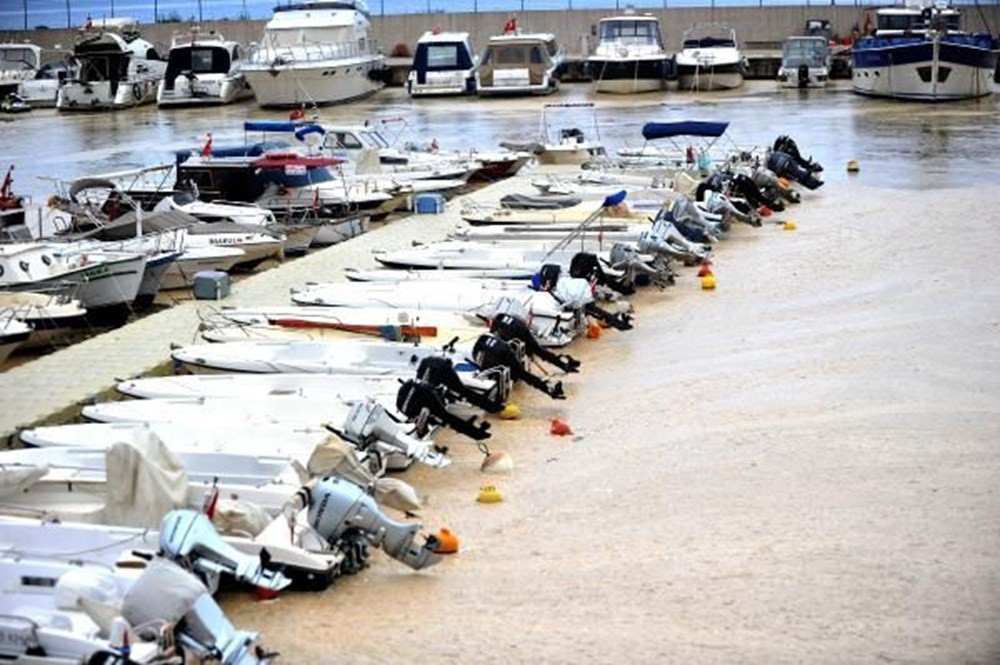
(136, 91)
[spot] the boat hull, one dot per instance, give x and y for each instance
(334, 82)
(98, 96)
(339, 230)
(925, 69)
(628, 76)
(709, 77)
(204, 93)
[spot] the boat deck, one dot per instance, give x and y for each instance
(52, 388)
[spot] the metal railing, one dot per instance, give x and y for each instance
(271, 55)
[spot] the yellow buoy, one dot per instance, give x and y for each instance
(789, 226)
(510, 412)
(853, 166)
(489, 494)
(708, 282)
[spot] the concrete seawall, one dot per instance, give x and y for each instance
(756, 27)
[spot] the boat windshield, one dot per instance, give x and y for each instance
(18, 58)
(631, 32)
(808, 52)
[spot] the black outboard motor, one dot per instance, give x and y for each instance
(440, 373)
(490, 351)
(803, 73)
(749, 190)
(785, 166)
(787, 145)
(422, 404)
(548, 277)
(585, 265)
(509, 327)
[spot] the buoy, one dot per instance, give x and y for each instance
(705, 269)
(510, 412)
(593, 330)
(489, 494)
(708, 282)
(764, 211)
(789, 226)
(559, 427)
(784, 183)
(499, 462)
(263, 593)
(853, 166)
(447, 542)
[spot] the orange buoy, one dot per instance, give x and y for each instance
(705, 269)
(447, 542)
(263, 593)
(764, 211)
(593, 330)
(559, 427)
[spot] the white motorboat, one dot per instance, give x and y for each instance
(50, 316)
(181, 273)
(101, 278)
(921, 53)
(538, 210)
(315, 52)
(202, 70)
(117, 69)
(805, 62)
(604, 232)
(710, 59)
(629, 57)
(444, 64)
(568, 145)
(318, 323)
(520, 63)
(13, 333)
(23, 75)
(240, 386)
(388, 275)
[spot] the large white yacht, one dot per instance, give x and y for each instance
(315, 52)
(202, 70)
(520, 63)
(118, 69)
(629, 56)
(710, 59)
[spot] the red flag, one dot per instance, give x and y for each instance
(211, 502)
(510, 26)
(206, 150)
(297, 114)
(8, 182)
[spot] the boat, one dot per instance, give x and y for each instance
(13, 333)
(238, 386)
(629, 57)
(50, 316)
(921, 53)
(710, 59)
(520, 63)
(315, 52)
(25, 78)
(444, 64)
(805, 62)
(102, 279)
(569, 145)
(116, 69)
(202, 70)
(389, 275)
(58, 612)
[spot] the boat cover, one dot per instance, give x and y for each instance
(662, 130)
(528, 202)
(145, 481)
(163, 592)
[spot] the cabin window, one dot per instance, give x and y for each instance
(201, 179)
(24, 266)
(488, 56)
(552, 48)
(510, 55)
(35, 581)
(536, 55)
(1, 271)
(444, 56)
(201, 60)
(46, 259)
(347, 141)
(236, 53)
(943, 73)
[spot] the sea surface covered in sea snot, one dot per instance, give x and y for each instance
(899, 145)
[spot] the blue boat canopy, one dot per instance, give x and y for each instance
(663, 130)
(272, 125)
(612, 200)
(303, 132)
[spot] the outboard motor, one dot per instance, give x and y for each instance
(625, 257)
(189, 537)
(788, 146)
(439, 372)
(509, 327)
(585, 265)
(421, 404)
(348, 519)
(490, 351)
(766, 180)
(577, 294)
(368, 426)
(685, 210)
(663, 237)
(721, 204)
(803, 75)
(749, 190)
(785, 166)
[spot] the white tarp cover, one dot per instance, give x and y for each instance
(145, 481)
(164, 592)
(15, 481)
(240, 518)
(334, 457)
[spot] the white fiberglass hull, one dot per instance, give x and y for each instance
(181, 272)
(337, 231)
(208, 90)
(905, 82)
(98, 96)
(252, 386)
(329, 82)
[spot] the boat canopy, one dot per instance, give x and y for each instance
(662, 130)
(251, 150)
(285, 159)
(273, 125)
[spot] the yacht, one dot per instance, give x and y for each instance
(921, 53)
(629, 57)
(805, 63)
(202, 70)
(117, 69)
(519, 63)
(315, 52)
(23, 75)
(444, 64)
(710, 59)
